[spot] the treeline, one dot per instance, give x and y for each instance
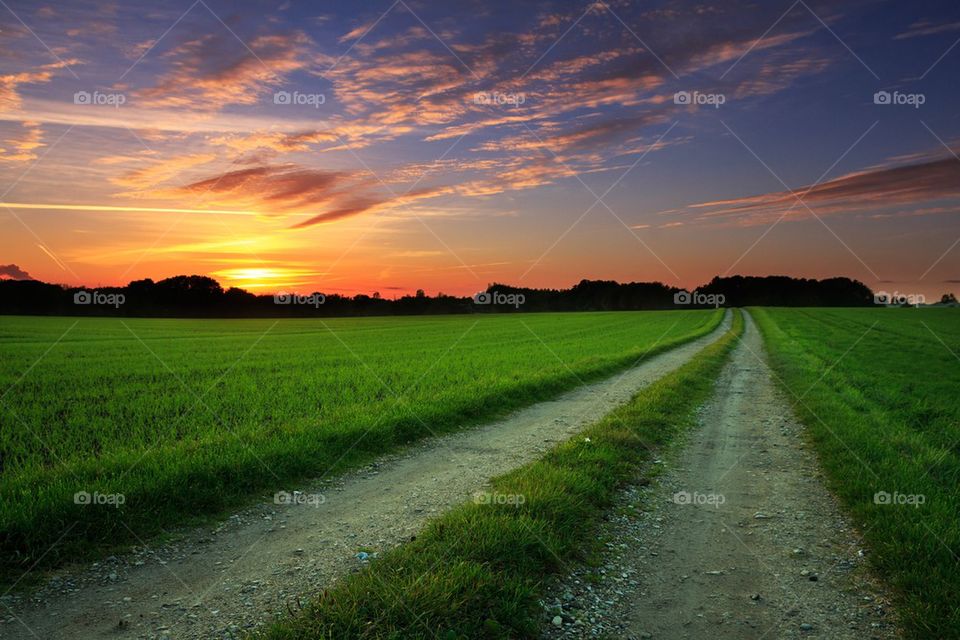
(201, 296)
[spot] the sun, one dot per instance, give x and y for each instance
(257, 278)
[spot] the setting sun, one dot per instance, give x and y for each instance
(269, 278)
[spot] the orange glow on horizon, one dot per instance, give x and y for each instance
(255, 278)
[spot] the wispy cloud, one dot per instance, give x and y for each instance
(927, 28)
(212, 72)
(23, 147)
(873, 189)
(10, 83)
(160, 171)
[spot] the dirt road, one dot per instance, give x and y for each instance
(219, 583)
(738, 537)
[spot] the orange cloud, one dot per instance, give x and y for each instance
(210, 73)
(24, 146)
(9, 84)
(159, 172)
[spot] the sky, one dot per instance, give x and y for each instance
(354, 147)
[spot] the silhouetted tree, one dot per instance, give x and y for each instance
(202, 296)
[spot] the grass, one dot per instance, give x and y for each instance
(477, 571)
(878, 391)
(190, 417)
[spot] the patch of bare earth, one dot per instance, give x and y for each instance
(737, 538)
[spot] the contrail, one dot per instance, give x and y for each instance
(101, 207)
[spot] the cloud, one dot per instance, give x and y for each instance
(335, 136)
(356, 32)
(871, 189)
(275, 141)
(590, 141)
(136, 117)
(159, 172)
(23, 147)
(214, 71)
(778, 72)
(284, 190)
(595, 97)
(356, 207)
(271, 188)
(368, 204)
(603, 132)
(288, 190)
(9, 84)
(13, 272)
(927, 28)
(406, 87)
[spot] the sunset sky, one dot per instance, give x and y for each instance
(388, 146)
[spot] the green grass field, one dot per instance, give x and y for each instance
(187, 417)
(878, 390)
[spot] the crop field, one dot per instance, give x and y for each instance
(878, 390)
(164, 421)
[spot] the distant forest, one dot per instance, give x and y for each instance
(201, 296)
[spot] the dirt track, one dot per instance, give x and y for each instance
(219, 583)
(739, 539)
